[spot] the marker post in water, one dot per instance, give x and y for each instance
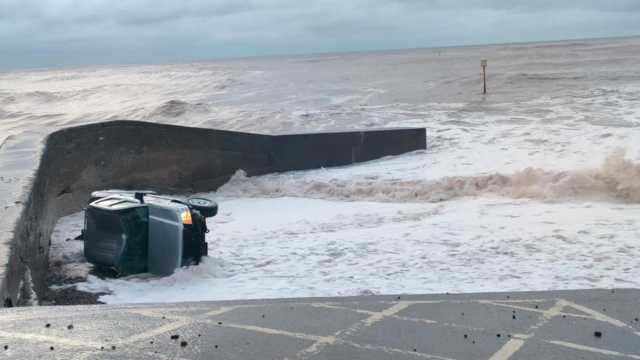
(483, 63)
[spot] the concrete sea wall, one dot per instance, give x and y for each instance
(45, 176)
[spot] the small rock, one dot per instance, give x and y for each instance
(514, 311)
(507, 296)
(564, 316)
(219, 322)
(175, 337)
(152, 342)
(102, 348)
(473, 342)
(513, 317)
(198, 335)
(509, 335)
(462, 314)
(636, 319)
(597, 334)
(51, 348)
(465, 336)
(604, 309)
(183, 343)
(414, 350)
(113, 347)
(47, 326)
(262, 315)
(536, 306)
(6, 347)
(498, 335)
(217, 346)
(70, 327)
(163, 317)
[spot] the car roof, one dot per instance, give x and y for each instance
(115, 203)
(124, 201)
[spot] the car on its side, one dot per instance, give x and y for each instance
(134, 232)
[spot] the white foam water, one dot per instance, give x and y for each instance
(617, 179)
(275, 248)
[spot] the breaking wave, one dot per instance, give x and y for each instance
(519, 77)
(177, 108)
(617, 178)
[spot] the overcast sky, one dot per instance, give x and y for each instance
(42, 33)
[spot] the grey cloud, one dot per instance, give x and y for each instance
(527, 5)
(145, 30)
(133, 12)
(164, 11)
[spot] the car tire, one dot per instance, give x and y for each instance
(208, 208)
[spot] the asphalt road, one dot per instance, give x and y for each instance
(590, 324)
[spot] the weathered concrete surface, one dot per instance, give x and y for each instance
(499, 326)
(44, 176)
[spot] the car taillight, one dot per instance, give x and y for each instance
(186, 217)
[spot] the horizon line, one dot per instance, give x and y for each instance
(234, 58)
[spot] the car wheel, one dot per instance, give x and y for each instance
(208, 208)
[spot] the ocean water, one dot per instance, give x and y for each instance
(532, 186)
(563, 83)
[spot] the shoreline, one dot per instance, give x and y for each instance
(67, 296)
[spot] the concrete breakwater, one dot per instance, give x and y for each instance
(47, 175)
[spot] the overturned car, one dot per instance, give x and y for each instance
(134, 232)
